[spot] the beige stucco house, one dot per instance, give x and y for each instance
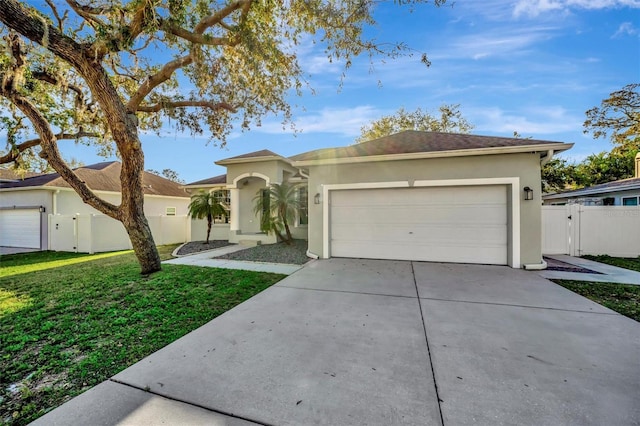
(421, 196)
(27, 204)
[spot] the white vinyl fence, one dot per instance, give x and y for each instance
(90, 233)
(577, 230)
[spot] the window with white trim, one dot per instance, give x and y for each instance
(630, 201)
(223, 197)
(303, 206)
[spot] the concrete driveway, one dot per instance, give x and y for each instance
(350, 341)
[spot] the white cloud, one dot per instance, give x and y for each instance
(498, 42)
(344, 121)
(537, 7)
(626, 28)
(530, 121)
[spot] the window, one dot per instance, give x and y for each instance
(170, 211)
(223, 197)
(630, 201)
(303, 206)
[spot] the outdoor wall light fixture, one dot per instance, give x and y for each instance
(528, 193)
(316, 198)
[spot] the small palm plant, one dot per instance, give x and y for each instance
(204, 205)
(277, 205)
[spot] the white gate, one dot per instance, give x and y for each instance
(577, 230)
(556, 230)
(63, 233)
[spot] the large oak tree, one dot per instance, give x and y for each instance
(449, 120)
(99, 71)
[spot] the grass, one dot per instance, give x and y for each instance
(632, 263)
(622, 298)
(70, 321)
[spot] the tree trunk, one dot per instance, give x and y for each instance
(209, 220)
(140, 235)
(283, 213)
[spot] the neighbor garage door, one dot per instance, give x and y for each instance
(465, 224)
(20, 228)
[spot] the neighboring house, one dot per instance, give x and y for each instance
(421, 196)
(624, 192)
(25, 204)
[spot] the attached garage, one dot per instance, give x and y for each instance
(20, 228)
(464, 224)
(428, 196)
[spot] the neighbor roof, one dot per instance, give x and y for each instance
(603, 188)
(101, 177)
(415, 142)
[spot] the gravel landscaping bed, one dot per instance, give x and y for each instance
(196, 246)
(273, 253)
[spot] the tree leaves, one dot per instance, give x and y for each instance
(449, 121)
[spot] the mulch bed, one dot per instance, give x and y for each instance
(556, 265)
(197, 246)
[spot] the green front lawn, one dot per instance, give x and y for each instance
(632, 263)
(622, 298)
(70, 321)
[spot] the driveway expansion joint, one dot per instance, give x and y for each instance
(345, 291)
(612, 313)
(426, 338)
(224, 413)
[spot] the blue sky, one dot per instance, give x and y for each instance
(531, 66)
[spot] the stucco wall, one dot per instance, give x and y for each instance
(70, 203)
(275, 170)
(219, 231)
(524, 166)
(248, 221)
(26, 198)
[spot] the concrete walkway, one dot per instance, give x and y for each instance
(355, 342)
(608, 273)
(206, 258)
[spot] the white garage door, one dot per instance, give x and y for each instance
(439, 224)
(20, 228)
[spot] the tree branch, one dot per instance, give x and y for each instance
(48, 78)
(182, 104)
(195, 37)
(48, 142)
(54, 9)
(87, 12)
(217, 17)
(157, 79)
(15, 152)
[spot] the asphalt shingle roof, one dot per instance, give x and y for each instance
(603, 188)
(9, 174)
(102, 177)
(255, 154)
(412, 141)
(222, 179)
